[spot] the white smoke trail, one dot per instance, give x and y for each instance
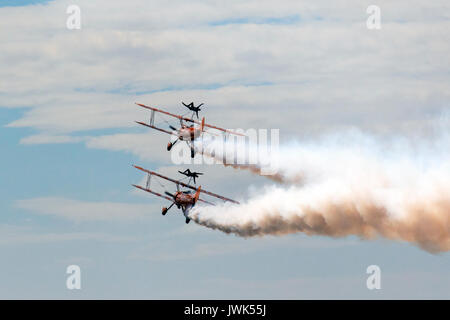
(350, 184)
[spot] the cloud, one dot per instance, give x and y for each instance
(165, 252)
(75, 81)
(48, 139)
(395, 285)
(228, 246)
(321, 69)
(81, 211)
(18, 235)
(146, 146)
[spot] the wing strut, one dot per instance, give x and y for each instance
(152, 118)
(149, 178)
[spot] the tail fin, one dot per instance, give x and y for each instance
(203, 124)
(197, 194)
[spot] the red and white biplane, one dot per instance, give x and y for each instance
(184, 200)
(187, 133)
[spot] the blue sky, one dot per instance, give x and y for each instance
(19, 3)
(272, 20)
(254, 65)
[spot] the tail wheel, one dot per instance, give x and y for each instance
(169, 146)
(164, 211)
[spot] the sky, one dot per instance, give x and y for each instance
(69, 139)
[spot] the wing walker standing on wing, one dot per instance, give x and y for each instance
(188, 198)
(184, 200)
(187, 133)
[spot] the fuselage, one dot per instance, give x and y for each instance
(188, 133)
(184, 199)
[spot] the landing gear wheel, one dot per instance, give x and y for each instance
(164, 211)
(187, 220)
(192, 153)
(169, 146)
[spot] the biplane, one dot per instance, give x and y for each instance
(185, 132)
(182, 199)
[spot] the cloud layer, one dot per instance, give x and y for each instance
(322, 67)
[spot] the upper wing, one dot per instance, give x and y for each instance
(186, 185)
(165, 112)
(190, 120)
(221, 129)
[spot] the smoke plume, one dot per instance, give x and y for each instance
(348, 184)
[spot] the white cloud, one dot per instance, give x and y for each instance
(18, 235)
(146, 146)
(230, 246)
(47, 139)
(322, 72)
(81, 211)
